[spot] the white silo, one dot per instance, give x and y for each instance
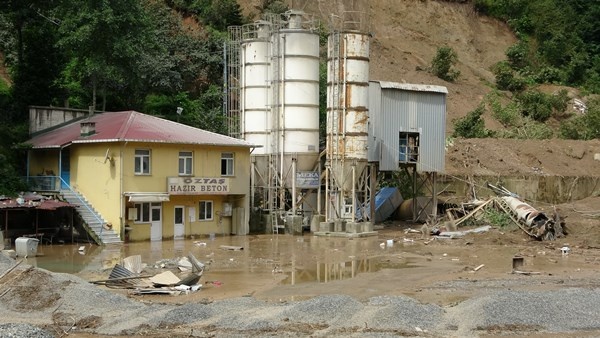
(295, 101)
(347, 123)
(254, 85)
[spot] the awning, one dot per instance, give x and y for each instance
(147, 197)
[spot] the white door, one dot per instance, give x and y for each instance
(155, 222)
(179, 227)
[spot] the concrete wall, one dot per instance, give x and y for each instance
(41, 118)
(542, 189)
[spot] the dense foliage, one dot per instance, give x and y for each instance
(146, 55)
(558, 43)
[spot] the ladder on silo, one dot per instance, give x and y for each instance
(334, 115)
(231, 74)
(275, 106)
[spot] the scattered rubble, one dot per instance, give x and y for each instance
(127, 276)
(533, 222)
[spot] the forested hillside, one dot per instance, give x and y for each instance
(155, 55)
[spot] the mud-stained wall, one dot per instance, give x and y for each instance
(42, 118)
(548, 189)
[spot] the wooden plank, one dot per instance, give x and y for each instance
(464, 218)
(231, 247)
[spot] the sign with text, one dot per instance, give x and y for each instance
(307, 179)
(197, 185)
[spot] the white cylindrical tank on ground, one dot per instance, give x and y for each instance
(254, 85)
(347, 101)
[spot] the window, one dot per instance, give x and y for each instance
(227, 164)
(142, 162)
(206, 211)
(143, 212)
(186, 159)
(409, 147)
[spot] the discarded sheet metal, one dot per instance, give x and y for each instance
(166, 278)
(118, 276)
(128, 276)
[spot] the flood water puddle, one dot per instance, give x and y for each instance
(295, 259)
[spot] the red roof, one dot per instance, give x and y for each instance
(132, 126)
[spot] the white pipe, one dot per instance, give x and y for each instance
(294, 186)
(353, 192)
(252, 181)
(327, 193)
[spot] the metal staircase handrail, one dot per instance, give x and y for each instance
(84, 204)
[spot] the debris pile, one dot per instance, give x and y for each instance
(129, 276)
(533, 222)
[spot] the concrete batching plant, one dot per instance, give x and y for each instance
(272, 77)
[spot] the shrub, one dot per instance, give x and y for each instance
(498, 218)
(506, 78)
(508, 115)
(548, 74)
(472, 125)
(536, 105)
(442, 63)
(517, 55)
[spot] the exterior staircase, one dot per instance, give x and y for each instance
(92, 220)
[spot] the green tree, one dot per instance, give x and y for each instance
(443, 62)
(27, 41)
(103, 39)
(219, 14)
(471, 125)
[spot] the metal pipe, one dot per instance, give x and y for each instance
(353, 192)
(294, 186)
(327, 198)
(252, 181)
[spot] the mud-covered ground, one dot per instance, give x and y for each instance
(283, 285)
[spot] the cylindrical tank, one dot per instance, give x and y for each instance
(297, 99)
(347, 101)
(254, 85)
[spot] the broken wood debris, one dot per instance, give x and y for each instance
(479, 267)
(526, 273)
(231, 247)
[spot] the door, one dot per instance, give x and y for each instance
(65, 168)
(155, 222)
(179, 224)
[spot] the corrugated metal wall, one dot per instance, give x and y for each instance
(403, 110)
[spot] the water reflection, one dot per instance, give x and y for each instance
(324, 272)
(300, 259)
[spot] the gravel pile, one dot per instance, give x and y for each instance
(23, 331)
(555, 311)
(39, 297)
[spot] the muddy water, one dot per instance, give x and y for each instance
(278, 267)
(299, 259)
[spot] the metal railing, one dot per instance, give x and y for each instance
(54, 184)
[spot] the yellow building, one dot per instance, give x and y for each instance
(139, 176)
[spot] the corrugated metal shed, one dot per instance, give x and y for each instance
(131, 126)
(411, 108)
